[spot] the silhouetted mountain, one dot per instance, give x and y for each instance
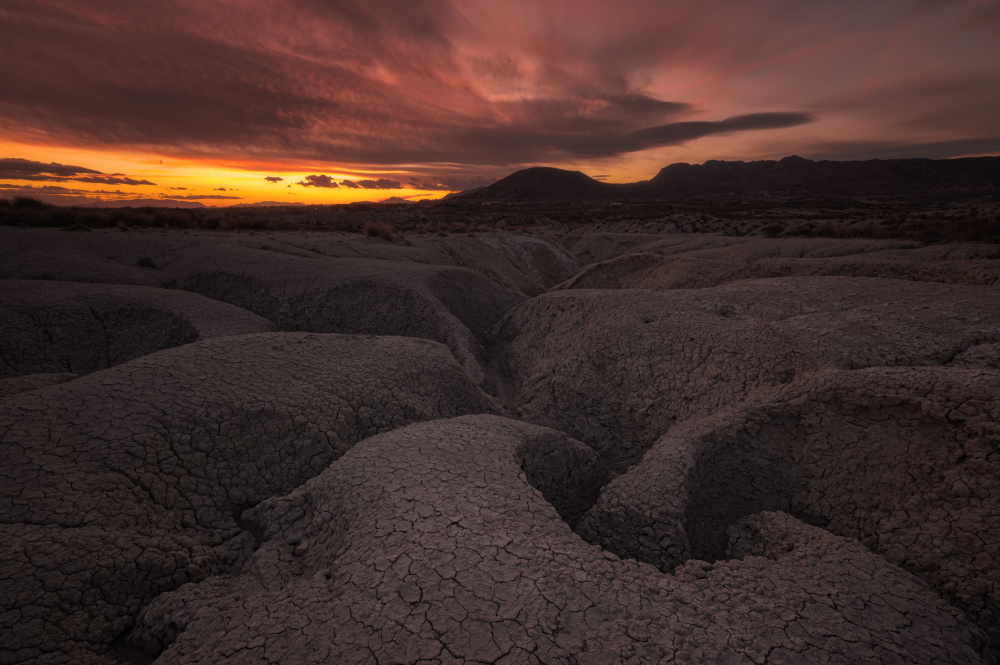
(542, 183)
(795, 175)
(792, 175)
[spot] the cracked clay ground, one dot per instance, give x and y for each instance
(563, 447)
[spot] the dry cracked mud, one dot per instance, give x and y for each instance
(569, 447)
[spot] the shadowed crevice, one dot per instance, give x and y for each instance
(569, 474)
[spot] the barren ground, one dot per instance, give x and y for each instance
(580, 444)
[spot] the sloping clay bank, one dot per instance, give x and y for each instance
(428, 544)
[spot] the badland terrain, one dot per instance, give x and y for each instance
(541, 422)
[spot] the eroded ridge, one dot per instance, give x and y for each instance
(903, 459)
(617, 369)
(51, 327)
(428, 544)
(129, 482)
(680, 261)
(424, 288)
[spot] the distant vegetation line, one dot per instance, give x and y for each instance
(383, 221)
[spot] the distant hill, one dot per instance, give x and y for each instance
(265, 204)
(795, 175)
(543, 183)
(789, 176)
(144, 203)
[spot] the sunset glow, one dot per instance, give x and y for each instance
(323, 101)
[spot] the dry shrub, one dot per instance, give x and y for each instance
(384, 230)
(773, 230)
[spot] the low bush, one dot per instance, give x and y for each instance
(385, 230)
(773, 230)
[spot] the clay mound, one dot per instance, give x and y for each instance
(528, 265)
(428, 544)
(616, 369)
(301, 290)
(595, 247)
(668, 263)
(592, 245)
(129, 482)
(902, 459)
(53, 327)
(453, 306)
(986, 356)
(21, 384)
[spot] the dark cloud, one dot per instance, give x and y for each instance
(68, 196)
(22, 169)
(318, 181)
(219, 189)
(381, 183)
(113, 180)
(679, 132)
(349, 183)
(44, 188)
(273, 178)
(182, 189)
(847, 150)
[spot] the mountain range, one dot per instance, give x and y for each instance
(792, 176)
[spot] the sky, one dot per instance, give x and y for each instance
(331, 101)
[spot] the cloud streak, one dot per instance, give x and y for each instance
(381, 183)
(113, 180)
(24, 169)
